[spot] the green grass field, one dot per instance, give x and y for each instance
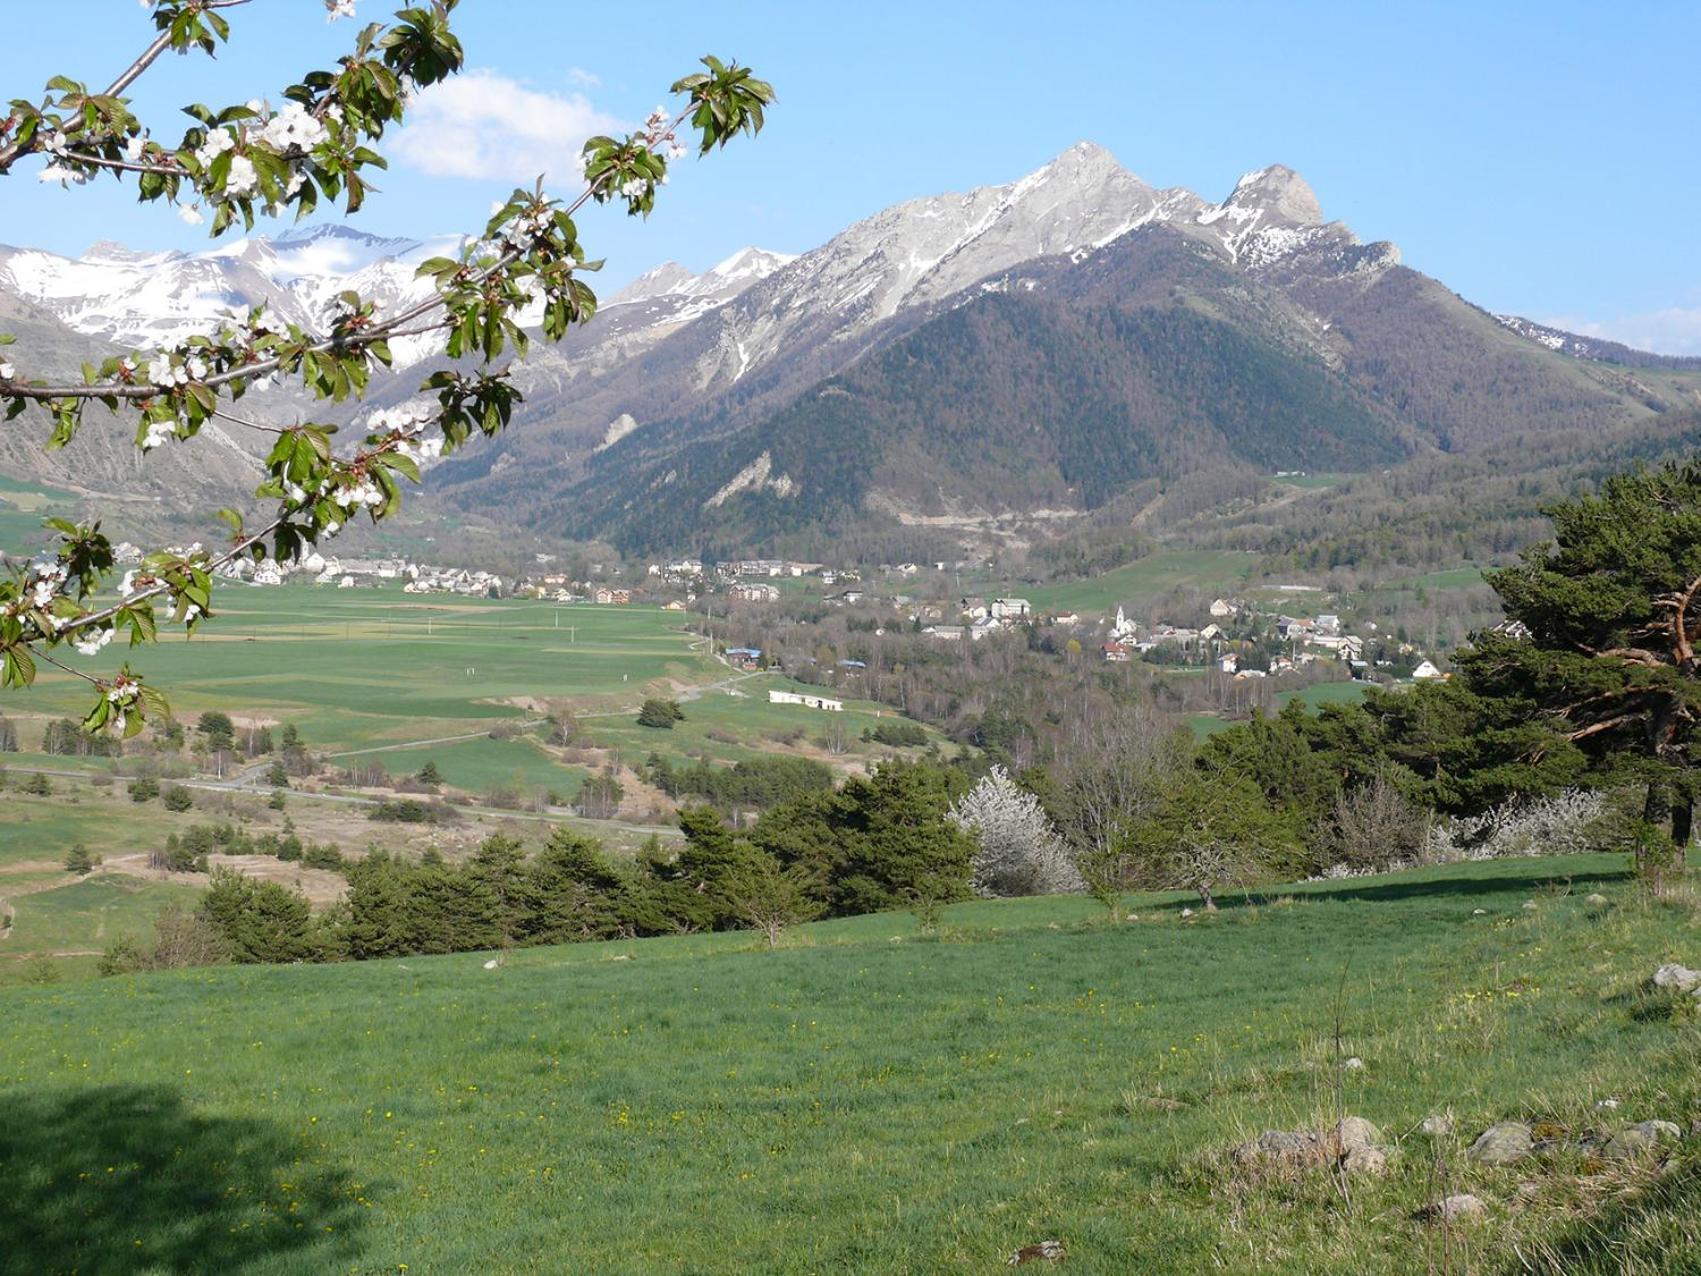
(1202, 569)
(22, 507)
(364, 670)
(868, 1100)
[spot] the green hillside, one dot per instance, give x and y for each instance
(865, 1099)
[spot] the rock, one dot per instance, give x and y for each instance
(492, 964)
(1672, 975)
(1606, 1105)
(1596, 900)
(1353, 1064)
(1636, 1140)
(1438, 1124)
(1365, 1160)
(1454, 1209)
(1187, 912)
(1040, 1252)
(1502, 1144)
(1287, 1147)
(1355, 1132)
(1530, 904)
(1479, 912)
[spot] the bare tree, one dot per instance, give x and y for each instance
(1115, 778)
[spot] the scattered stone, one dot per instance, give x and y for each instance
(1454, 1209)
(1353, 1064)
(1502, 1144)
(1355, 1132)
(1635, 1140)
(1479, 912)
(1365, 1161)
(1041, 1252)
(1672, 975)
(1187, 912)
(621, 957)
(1596, 900)
(1606, 1105)
(1286, 1147)
(1530, 904)
(1437, 1124)
(492, 964)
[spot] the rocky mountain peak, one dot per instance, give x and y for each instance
(1280, 193)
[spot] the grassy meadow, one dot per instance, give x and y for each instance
(868, 1099)
(402, 679)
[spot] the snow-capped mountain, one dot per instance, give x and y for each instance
(153, 299)
(921, 253)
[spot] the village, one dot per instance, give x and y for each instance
(1236, 637)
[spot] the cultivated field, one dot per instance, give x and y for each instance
(866, 1099)
(378, 675)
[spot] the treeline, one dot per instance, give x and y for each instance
(880, 842)
(754, 783)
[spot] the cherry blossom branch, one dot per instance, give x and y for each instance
(15, 151)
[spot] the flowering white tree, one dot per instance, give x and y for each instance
(250, 159)
(1020, 850)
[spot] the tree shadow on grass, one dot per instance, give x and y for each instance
(1429, 887)
(130, 1179)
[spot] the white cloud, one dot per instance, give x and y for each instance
(482, 125)
(1674, 330)
(583, 78)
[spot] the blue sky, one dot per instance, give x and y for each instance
(1536, 157)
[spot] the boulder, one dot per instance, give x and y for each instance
(1458, 1208)
(1286, 1147)
(1502, 1144)
(1355, 1132)
(1353, 1064)
(1437, 1124)
(1639, 1139)
(1680, 978)
(1365, 1160)
(1596, 900)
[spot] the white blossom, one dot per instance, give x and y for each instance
(243, 178)
(7, 372)
(191, 214)
(335, 9)
(92, 641)
(63, 175)
(294, 126)
(133, 148)
(218, 142)
(160, 372)
(157, 433)
(1020, 852)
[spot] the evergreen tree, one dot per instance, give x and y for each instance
(1612, 608)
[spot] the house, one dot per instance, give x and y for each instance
(984, 626)
(1066, 618)
(605, 596)
(755, 593)
(1229, 663)
(673, 604)
(1123, 629)
(950, 633)
(808, 701)
(1426, 672)
(974, 608)
(1328, 623)
(745, 657)
(1117, 653)
(851, 597)
(1010, 608)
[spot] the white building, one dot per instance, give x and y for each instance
(1426, 672)
(808, 701)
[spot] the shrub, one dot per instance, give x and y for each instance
(80, 860)
(178, 798)
(144, 790)
(403, 811)
(38, 785)
(660, 713)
